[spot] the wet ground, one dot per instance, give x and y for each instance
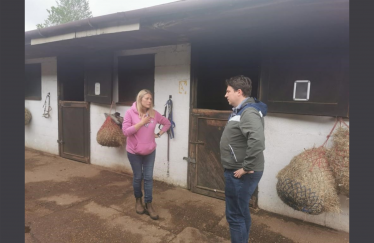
(68, 201)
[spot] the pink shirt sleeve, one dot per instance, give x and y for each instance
(163, 121)
(127, 127)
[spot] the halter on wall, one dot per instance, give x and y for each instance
(168, 113)
(48, 108)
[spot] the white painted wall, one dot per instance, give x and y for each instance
(172, 65)
(42, 133)
(287, 136)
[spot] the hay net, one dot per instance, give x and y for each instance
(307, 183)
(313, 179)
(110, 134)
(27, 116)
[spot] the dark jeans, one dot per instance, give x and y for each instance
(142, 168)
(238, 192)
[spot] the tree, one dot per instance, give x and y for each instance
(67, 11)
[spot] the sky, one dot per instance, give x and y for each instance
(36, 10)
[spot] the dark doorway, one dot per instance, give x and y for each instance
(217, 62)
(211, 65)
(135, 73)
(70, 73)
(74, 111)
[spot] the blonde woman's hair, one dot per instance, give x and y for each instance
(139, 98)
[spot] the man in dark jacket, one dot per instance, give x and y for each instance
(242, 145)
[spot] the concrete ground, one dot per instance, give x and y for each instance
(68, 201)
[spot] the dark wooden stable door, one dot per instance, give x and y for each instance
(206, 172)
(74, 130)
(205, 168)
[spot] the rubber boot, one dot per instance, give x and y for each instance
(150, 211)
(139, 206)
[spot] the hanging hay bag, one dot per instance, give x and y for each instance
(307, 183)
(338, 158)
(27, 116)
(110, 135)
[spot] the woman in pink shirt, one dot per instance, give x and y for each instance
(139, 126)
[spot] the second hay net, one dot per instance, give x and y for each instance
(338, 157)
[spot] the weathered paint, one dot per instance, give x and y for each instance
(285, 137)
(172, 65)
(42, 133)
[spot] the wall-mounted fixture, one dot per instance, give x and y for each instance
(301, 90)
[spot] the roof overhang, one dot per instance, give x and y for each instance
(192, 21)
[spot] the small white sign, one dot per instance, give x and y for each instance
(301, 90)
(97, 88)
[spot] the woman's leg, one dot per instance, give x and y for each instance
(136, 165)
(148, 165)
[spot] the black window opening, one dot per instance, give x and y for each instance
(70, 75)
(274, 71)
(327, 72)
(134, 74)
(318, 54)
(33, 81)
(213, 64)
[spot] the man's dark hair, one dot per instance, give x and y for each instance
(241, 82)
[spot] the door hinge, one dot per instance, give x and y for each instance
(189, 160)
(60, 141)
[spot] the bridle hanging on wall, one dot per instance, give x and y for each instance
(48, 108)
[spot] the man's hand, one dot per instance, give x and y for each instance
(241, 172)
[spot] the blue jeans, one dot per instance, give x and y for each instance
(238, 192)
(142, 168)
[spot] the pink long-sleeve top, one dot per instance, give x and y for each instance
(142, 141)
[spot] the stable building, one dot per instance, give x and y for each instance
(295, 52)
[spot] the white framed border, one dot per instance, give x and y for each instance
(294, 90)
